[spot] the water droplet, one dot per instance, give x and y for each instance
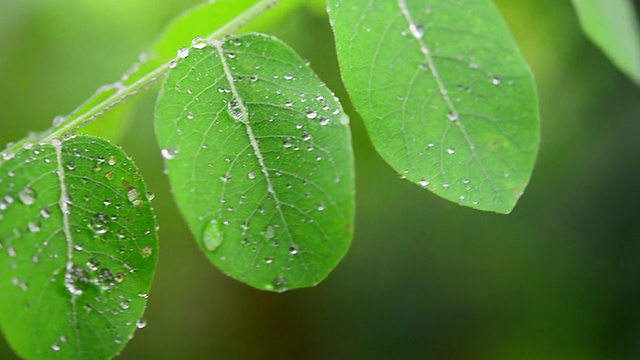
(293, 249)
(71, 166)
(268, 261)
(279, 283)
(320, 207)
(287, 143)
(424, 182)
(270, 233)
(147, 251)
(99, 224)
(451, 151)
(235, 109)
(11, 252)
(251, 175)
(55, 347)
(173, 64)
(325, 121)
(34, 226)
(27, 196)
(231, 55)
(183, 52)
(417, 30)
(112, 160)
(312, 114)
(141, 323)
(125, 305)
(133, 194)
(212, 237)
(169, 153)
(199, 43)
(93, 264)
(496, 80)
(453, 116)
(45, 213)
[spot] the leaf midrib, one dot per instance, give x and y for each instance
(424, 49)
(254, 142)
(66, 229)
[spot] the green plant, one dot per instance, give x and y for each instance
(472, 139)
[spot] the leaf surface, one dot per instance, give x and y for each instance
(78, 249)
(259, 157)
(613, 26)
(445, 94)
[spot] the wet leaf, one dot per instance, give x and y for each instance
(445, 94)
(78, 249)
(613, 26)
(259, 157)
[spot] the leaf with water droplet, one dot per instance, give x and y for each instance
(76, 249)
(253, 166)
(444, 93)
(613, 26)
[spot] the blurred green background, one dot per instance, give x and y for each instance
(424, 279)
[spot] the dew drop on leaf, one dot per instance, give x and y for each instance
(27, 196)
(199, 43)
(183, 52)
(235, 109)
(169, 153)
(212, 237)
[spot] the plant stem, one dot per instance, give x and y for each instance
(79, 119)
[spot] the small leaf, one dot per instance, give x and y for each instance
(613, 26)
(446, 96)
(259, 157)
(78, 249)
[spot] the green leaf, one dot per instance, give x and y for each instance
(446, 96)
(259, 156)
(78, 249)
(613, 26)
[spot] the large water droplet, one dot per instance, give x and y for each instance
(270, 233)
(417, 30)
(27, 196)
(169, 153)
(312, 114)
(141, 323)
(199, 43)
(212, 236)
(183, 52)
(235, 109)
